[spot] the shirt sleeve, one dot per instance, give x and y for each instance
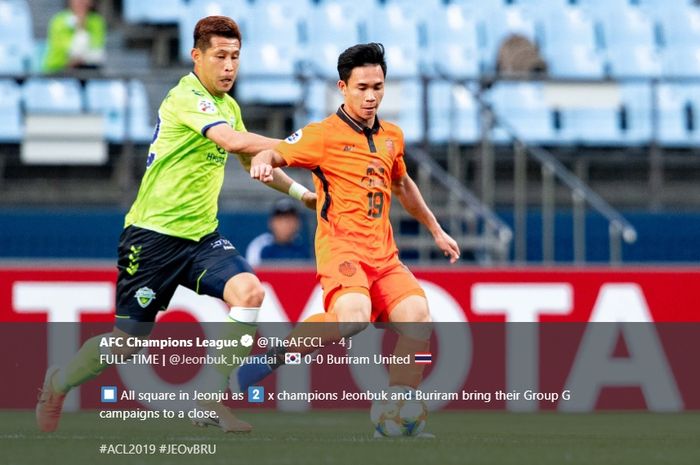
(304, 148)
(196, 112)
(398, 170)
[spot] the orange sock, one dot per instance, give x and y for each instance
(323, 325)
(411, 374)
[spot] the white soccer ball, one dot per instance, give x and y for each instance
(402, 417)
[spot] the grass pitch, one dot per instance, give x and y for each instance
(342, 437)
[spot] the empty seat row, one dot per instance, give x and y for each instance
(527, 109)
(118, 101)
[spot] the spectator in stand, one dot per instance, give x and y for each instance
(76, 38)
(283, 242)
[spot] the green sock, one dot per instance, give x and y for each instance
(84, 366)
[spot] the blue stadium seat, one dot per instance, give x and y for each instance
(160, 12)
(453, 43)
(569, 43)
(625, 26)
(274, 53)
(16, 36)
(454, 115)
(636, 99)
(634, 61)
(109, 98)
(399, 32)
(44, 95)
(522, 106)
(680, 26)
(681, 62)
(332, 27)
(195, 10)
(679, 114)
(10, 111)
(503, 21)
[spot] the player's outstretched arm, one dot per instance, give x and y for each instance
(283, 183)
(263, 164)
(239, 142)
(410, 197)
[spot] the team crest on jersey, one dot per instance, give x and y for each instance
(206, 106)
(294, 138)
(390, 148)
(347, 268)
(144, 296)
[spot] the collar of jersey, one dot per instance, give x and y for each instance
(356, 125)
(216, 99)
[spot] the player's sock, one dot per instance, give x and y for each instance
(328, 331)
(412, 373)
(241, 321)
(84, 366)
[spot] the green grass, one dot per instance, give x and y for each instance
(342, 437)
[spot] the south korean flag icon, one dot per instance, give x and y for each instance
(292, 358)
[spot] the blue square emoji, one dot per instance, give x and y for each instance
(256, 394)
(108, 394)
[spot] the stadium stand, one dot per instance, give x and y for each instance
(16, 37)
(442, 60)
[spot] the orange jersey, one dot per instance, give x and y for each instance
(354, 167)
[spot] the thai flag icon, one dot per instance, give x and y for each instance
(424, 357)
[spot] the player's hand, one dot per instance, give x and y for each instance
(309, 200)
(448, 245)
(261, 171)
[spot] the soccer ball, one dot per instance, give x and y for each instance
(402, 417)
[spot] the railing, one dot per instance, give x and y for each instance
(551, 170)
(472, 224)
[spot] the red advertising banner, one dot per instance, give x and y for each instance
(532, 339)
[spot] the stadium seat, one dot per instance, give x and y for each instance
(637, 104)
(522, 106)
(453, 43)
(634, 61)
(502, 21)
(160, 12)
(44, 95)
(625, 26)
(274, 53)
(680, 26)
(681, 62)
(10, 111)
(569, 43)
(195, 10)
(454, 115)
(332, 27)
(393, 27)
(679, 114)
(16, 37)
(109, 98)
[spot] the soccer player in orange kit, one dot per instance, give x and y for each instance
(358, 165)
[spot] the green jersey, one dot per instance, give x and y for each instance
(185, 170)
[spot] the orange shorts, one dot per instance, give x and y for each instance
(385, 285)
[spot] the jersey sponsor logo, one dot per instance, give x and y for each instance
(294, 138)
(347, 268)
(222, 243)
(374, 175)
(144, 296)
(206, 106)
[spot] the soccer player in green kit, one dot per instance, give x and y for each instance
(170, 236)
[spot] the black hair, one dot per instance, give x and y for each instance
(211, 26)
(360, 55)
